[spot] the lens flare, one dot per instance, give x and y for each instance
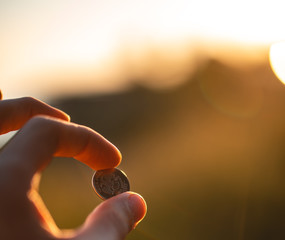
(277, 60)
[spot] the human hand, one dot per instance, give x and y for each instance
(46, 132)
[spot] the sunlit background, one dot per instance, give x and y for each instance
(190, 91)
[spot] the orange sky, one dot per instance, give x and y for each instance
(57, 46)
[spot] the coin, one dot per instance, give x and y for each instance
(110, 182)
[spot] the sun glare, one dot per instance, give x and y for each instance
(277, 60)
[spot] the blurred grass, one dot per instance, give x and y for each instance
(208, 156)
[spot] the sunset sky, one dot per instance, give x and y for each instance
(55, 47)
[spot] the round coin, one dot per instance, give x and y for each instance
(110, 182)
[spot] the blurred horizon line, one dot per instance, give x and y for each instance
(155, 66)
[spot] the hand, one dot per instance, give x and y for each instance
(46, 132)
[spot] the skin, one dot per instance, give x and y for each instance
(46, 132)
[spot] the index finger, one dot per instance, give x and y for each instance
(44, 137)
(14, 113)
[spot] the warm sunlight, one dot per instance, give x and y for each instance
(95, 39)
(185, 91)
(277, 60)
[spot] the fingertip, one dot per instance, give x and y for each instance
(57, 113)
(1, 95)
(137, 206)
(117, 156)
(114, 218)
(62, 115)
(37, 107)
(100, 153)
(114, 159)
(66, 117)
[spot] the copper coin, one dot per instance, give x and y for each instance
(110, 182)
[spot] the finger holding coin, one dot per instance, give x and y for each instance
(110, 182)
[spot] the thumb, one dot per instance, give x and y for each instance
(114, 218)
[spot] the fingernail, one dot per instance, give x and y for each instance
(138, 207)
